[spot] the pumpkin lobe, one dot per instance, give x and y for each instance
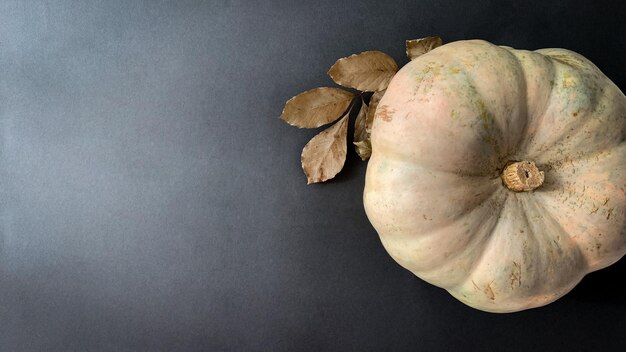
(522, 176)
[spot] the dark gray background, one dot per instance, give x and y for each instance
(151, 200)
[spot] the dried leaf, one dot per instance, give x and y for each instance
(418, 47)
(360, 132)
(316, 107)
(372, 110)
(369, 71)
(363, 126)
(364, 149)
(323, 157)
(361, 136)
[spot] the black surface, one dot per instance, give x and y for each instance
(152, 201)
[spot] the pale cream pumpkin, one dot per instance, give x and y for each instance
(450, 122)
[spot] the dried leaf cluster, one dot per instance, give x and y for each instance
(370, 71)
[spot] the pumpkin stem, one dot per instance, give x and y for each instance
(522, 176)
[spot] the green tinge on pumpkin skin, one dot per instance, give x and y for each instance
(569, 81)
(487, 124)
(453, 70)
(427, 75)
(485, 116)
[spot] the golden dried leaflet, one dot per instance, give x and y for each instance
(360, 132)
(316, 107)
(369, 71)
(418, 47)
(361, 136)
(323, 157)
(374, 100)
(364, 149)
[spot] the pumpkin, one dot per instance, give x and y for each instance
(499, 174)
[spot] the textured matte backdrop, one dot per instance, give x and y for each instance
(151, 199)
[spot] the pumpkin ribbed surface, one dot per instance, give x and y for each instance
(447, 126)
